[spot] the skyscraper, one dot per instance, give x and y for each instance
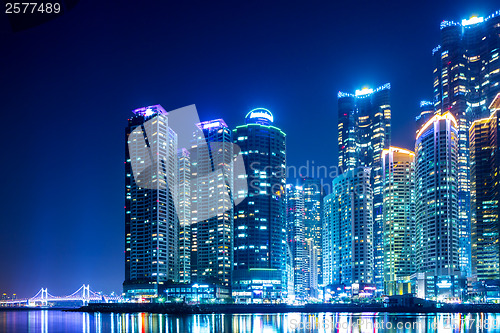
(399, 219)
(364, 126)
(364, 131)
(467, 72)
(348, 232)
(151, 223)
(485, 191)
(313, 210)
(259, 220)
(296, 240)
(436, 188)
(466, 80)
(212, 203)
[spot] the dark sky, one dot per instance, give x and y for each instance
(68, 86)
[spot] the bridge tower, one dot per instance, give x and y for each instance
(44, 296)
(86, 294)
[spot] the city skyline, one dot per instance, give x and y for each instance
(57, 254)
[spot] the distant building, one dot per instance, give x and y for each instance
(259, 220)
(151, 187)
(296, 240)
(313, 210)
(212, 203)
(437, 231)
(364, 131)
(348, 231)
(485, 189)
(399, 220)
(184, 215)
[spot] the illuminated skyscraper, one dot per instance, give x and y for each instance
(348, 231)
(259, 220)
(151, 223)
(364, 126)
(212, 203)
(296, 240)
(485, 191)
(466, 80)
(436, 188)
(364, 131)
(313, 205)
(399, 219)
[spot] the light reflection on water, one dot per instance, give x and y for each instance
(48, 321)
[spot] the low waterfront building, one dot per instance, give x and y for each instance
(262, 285)
(196, 293)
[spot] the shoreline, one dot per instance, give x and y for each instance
(28, 308)
(184, 309)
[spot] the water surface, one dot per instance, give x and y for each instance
(47, 321)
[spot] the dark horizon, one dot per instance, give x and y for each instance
(71, 83)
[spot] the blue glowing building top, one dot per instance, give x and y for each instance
(365, 92)
(148, 111)
(259, 116)
(211, 124)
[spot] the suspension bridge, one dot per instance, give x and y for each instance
(84, 294)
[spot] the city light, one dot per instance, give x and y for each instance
(472, 20)
(261, 113)
(446, 115)
(364, 91)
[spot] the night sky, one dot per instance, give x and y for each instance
(69, 85)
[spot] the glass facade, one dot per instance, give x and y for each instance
(485, 165)
(364, 131)
(436, 188)
(151, 223)
(348, 230)
(399, 219)
(212, 203)
(259, 220)
(466, 80)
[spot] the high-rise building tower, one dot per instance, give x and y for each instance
(436, 188)
(399, 219)
(426, 112)
(485, 191)
(466, 80)
(364, 126)
(296, 240)
(348, 231)
(259, 220)
(313, 205)
(151, 223)
(212, 203)
(184, 214)
(467, 72)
